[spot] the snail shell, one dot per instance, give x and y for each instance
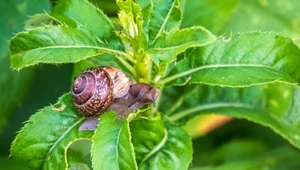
(95, 89)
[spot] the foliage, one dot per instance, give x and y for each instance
(235, 58)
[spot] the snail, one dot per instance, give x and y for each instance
(97, 90)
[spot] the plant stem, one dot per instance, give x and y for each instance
(128, 66)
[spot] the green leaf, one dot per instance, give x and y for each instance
(167, 47)
(266, 16)
(45, 139)
(146, 142)
(56, 44)
(79, 166)
(248, 154)
(89, 16)
(213, 15)
(130, 17)
(78, 153)
(235, 16)
(236, 62)
(166, 17)
(102, 60)
(274, 105)
(13, 15)
(7, 163)
(38, 20)
(11, 91)
(173, 152)
(112, 147)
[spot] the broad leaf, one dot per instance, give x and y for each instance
(89, 16)
(236, 16)
(55, 44)
(173, 152)
(213, 15)
(273, 105)
(166, 17)
(45, 139)
(12, 18)
(148, 136)
(112, 147)
(242, 60)
(167, 47)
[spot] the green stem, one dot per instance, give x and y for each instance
(128, 66)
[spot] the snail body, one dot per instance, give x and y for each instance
(95, 89)
(98, 89)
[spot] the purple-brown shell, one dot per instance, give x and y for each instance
(94, 90)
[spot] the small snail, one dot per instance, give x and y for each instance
(95, 89)
(98, 89)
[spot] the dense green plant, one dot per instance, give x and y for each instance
(252, 75)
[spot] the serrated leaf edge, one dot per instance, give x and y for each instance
(191, 71)
(68, 146)
(192, 44)
(166, 20)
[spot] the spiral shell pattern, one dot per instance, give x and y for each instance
(92, 92)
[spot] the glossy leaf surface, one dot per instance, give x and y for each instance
(167, 47)
(165, 17)
(174, 151)
(44, 140)
(112, 147)
(274, 105)
(55, 44)
(237, 61)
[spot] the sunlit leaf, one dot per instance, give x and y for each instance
(45, 139)
(55, 44)
(112, 147)
(167, 47)
(242, 60)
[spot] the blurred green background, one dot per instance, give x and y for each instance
(238, 144)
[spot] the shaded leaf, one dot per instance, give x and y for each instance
(247, 154)
(112, 147)
(173, 152)
(102, 60)
(7, 163)
(273, 105)
(13, 14)
(78, 154)
(148, 136)
(235, 16)
(55, 44)
(38, 20)
(213, 15)
(44, 140)
(237, 61)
